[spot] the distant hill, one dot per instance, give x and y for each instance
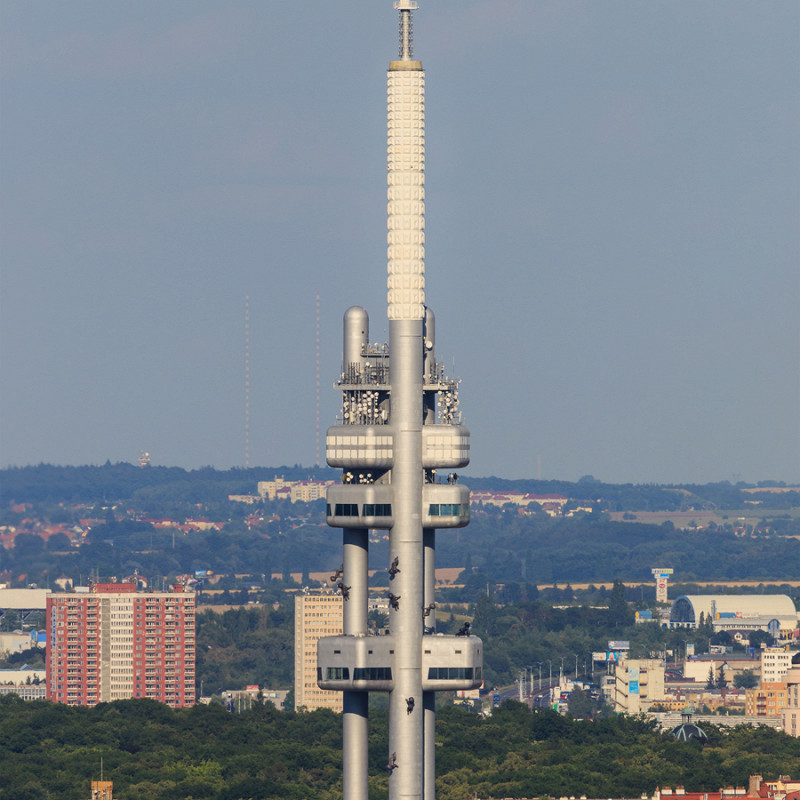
(753, 532)
(120, 481)
(109, 482)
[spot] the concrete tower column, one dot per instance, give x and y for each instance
(429, 698)
(405, 544)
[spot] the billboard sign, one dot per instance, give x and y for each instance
(619, 645)
(633, 680)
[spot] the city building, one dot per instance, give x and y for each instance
(17, 642)
(29, 684)
(293, 491)
(639, 683)
(768, 700)
(400, 426)
(112, 643)
(775, 663)
(24, 604)
(102, 790)
(317, 613)
(791, 711)
(781, 788)
(551, 504)
(774, 613)
(698, 668)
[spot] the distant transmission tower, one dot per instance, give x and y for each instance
(316, 450)
(247, 381)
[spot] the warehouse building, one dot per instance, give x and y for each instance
(774, 613)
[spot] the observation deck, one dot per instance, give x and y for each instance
(364, 663)
(444, 446)
(444, 505)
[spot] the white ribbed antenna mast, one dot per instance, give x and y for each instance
(247, 381)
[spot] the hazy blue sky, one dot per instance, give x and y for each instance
(613, 195)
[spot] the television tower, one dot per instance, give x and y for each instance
(400, 424)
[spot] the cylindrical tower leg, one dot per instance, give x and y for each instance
(429, 765)
(355, 745)
(355, 553)
(355, 722)
(429, 556)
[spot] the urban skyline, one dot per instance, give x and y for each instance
(615, 193)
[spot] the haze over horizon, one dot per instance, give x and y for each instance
(613, 195)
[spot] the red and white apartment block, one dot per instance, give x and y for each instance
(115, 643)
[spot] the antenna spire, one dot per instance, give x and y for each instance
(405, 7)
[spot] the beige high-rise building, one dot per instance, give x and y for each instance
(766, 701)
(791, 712)
(316, 614)
(775, 663)
(639, 683)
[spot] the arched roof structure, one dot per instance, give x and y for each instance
(686, 609)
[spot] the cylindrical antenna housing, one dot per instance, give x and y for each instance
(356, 338)
(429, 342)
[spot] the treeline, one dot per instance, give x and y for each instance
(48, 483)
(648, 497)
(252, 645)
(506, 547)
(120, 549)
(151, 752)
(498, 548)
